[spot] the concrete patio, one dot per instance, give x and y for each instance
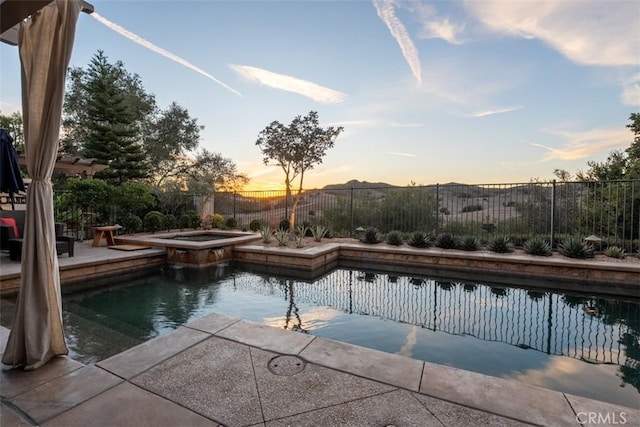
(220, 370)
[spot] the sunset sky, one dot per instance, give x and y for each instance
(427, 91)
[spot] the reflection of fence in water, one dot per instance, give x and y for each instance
(539, 321)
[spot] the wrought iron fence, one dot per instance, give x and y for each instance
(609, 210)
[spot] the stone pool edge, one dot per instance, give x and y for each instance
(611, 278)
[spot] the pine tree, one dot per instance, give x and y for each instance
(112, 135)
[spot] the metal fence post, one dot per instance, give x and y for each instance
(351, 213)
(235, 193)
(437, 208)
(553, 213)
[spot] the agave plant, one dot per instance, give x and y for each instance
(419, 239)
(470, 243)
(302, 230)
(446, 241)
(266, 232)
(394, 238)
(500, 244)
(537, 246)
(371, 235)
(575, 248)
(318, 232)
(282, 236)
(615, 252)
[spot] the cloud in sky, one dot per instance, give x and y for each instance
(353, 123)
(434, 26)
(406, 125)
(386, 12)
(591, 32)
(579, 145)
(8, 108)
(631, 91)
(395, 153)
(147, 44)
(491, 112)
(306, 88)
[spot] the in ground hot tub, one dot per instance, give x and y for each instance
(196, 248)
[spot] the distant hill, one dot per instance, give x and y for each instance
(354, 183)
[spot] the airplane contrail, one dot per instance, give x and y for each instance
(306, 88)
(145, 43)
(399, 32)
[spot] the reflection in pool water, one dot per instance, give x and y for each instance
(580, 345)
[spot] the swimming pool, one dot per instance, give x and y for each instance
(581, 345)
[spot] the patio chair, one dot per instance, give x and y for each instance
(13, 242)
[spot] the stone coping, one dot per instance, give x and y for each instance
(232, 238)
(619, 278)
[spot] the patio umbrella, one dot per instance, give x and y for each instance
(10, 177)
(45, 42)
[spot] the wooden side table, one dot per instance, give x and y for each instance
(107, 233)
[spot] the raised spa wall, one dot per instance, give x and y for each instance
(193, 253)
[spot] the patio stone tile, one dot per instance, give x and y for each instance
(9, 417)
(454, 415)
(615, 414)
(388, 368)
(398, 408)
(503, 397)
(213, 323)
(214, 378)
(314, 387)
(142, 357)
(59, 395)
(15, 381)
(128, 405)
(267, 337)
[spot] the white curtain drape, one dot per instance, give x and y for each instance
(45, 43)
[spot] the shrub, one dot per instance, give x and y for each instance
(318, 232)
(266, 232)
(394, 238)
(131, 223)
(489, 227)
(284, 225)
(231, 223)
(500, 244)
(217, 220)
(575, 248)
(134, 197)
(255, 225)
(537, 246)
(190, 219)
(446, 241)
(472, 208)
(371, 236)
(470, 243)
(419, 239)
(282, 236)
(614, 252)
(153, 221)
(169, 222)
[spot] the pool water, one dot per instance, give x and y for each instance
(579, 345)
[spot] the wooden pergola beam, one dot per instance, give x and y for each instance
(12, 12)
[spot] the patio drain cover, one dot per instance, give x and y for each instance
(286, 365)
